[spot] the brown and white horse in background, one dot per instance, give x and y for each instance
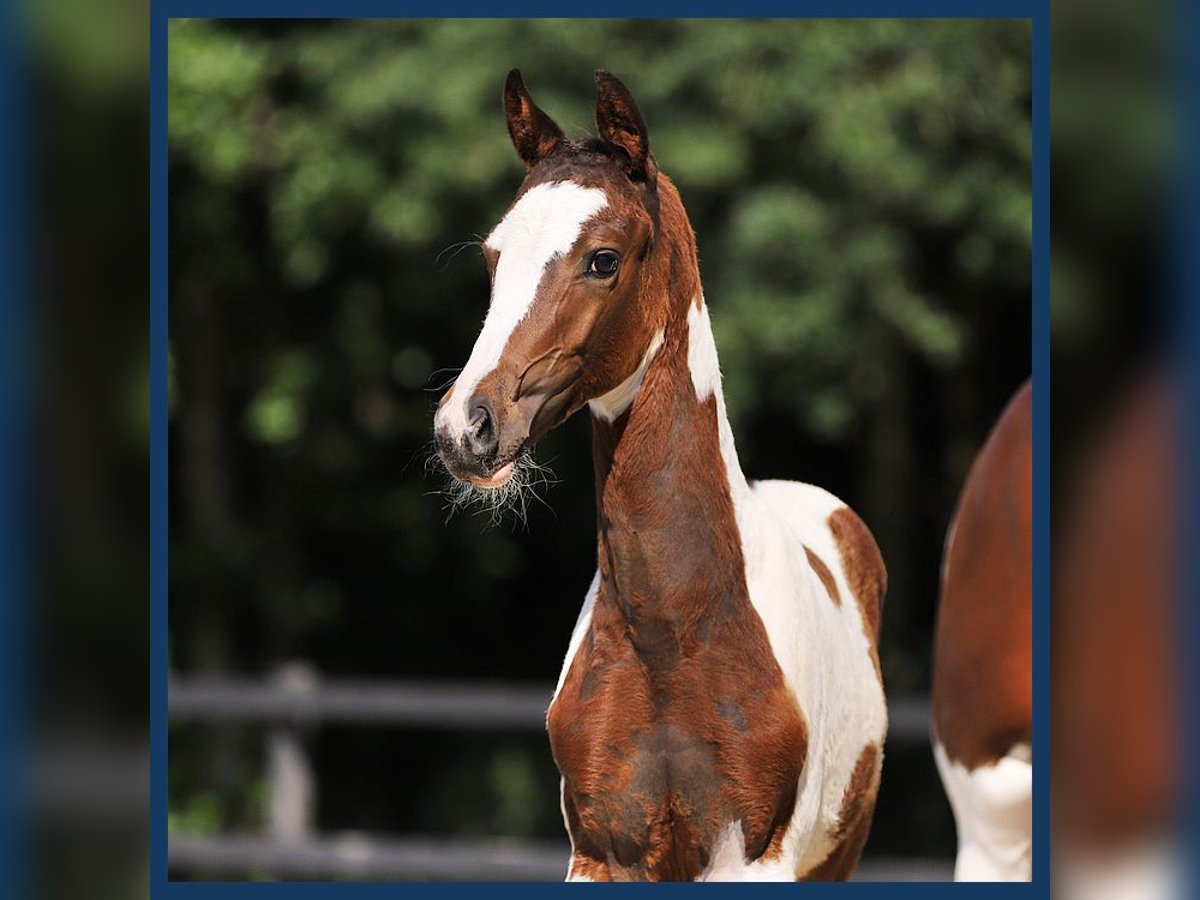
(720, 714)
(982, 673)
(1115, 764)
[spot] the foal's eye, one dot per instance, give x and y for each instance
(603, 264)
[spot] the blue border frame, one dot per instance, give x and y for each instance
(14, 453)
(163, 10)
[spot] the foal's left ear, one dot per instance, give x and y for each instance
(620, 123)
(534, 134)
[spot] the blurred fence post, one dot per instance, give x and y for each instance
(290, 781)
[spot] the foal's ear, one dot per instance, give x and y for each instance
(620, 123)
(534, 133)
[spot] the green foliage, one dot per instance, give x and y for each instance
(818, 153)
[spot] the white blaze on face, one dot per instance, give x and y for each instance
(543, 224)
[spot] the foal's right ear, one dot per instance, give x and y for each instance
(534, 133)
(620, 123)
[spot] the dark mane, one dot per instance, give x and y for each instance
(592, 146)
(571, 156)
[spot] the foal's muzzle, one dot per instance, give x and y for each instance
(478, 440)
(470, 452)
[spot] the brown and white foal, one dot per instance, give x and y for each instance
(720, 715)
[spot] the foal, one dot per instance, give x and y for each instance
(720, 715)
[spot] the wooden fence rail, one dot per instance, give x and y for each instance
(294, 700)
(361, 858)
(418, 704)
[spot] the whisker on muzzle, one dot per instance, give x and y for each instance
(454, 250)
(511, 498)
(455, 372)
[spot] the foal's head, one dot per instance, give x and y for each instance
(578, 277)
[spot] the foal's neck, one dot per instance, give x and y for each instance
(668, 485)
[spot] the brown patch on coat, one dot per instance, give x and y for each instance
(825, 575)
(982, 695)
(865, 571)
(674, 718)
(863, 565)
(854, 820)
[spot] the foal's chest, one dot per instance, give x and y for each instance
(661, 751)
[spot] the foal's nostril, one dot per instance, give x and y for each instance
(482, 439)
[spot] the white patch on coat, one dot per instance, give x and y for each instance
(727, 861)
(703, 364)
(705, 370)
(562, 805)
(609, 406)
(821, 647)
(993, 811)
(582, 623)
(543, 224)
